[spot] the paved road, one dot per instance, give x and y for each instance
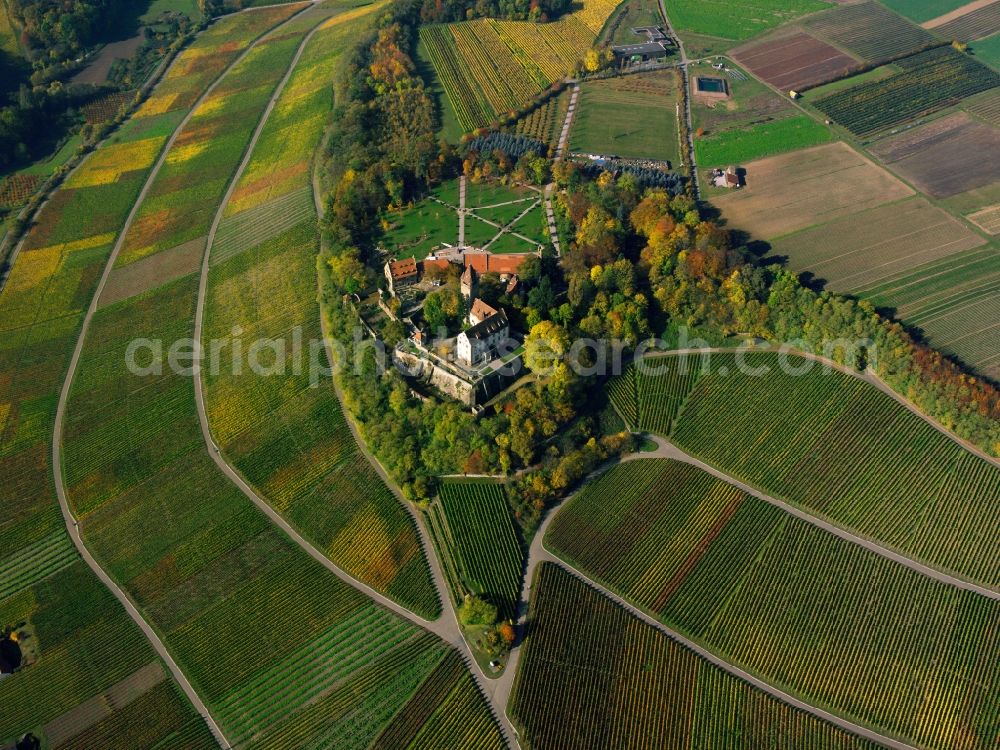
(461, 211)
(538, 554)
(57, 435)
(689, 160)
(570, 111)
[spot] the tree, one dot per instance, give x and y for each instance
(476, 611)
(545, 346)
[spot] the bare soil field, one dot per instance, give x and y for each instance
(869, 31)
(97, 70)
(152, 271)
(793, 191)
(795, 62)
(945, 157)
(988, 219)
(863, 249)
(977, 24)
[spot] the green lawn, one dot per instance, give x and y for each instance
(767, 139)
(508, 243)
(737, 19)
(988, 50)
(417, 231)
(156, 7)
(919, 11)
(875, 74)
(632, 117)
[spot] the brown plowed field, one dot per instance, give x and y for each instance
(944, 157)
(860, 250)
(793, 191)
(795, 62)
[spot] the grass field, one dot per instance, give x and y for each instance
(736, 19)
(475, 535)
(861, 250)
(794, 191)
(634, 117)
(593, 675)
(988, 51)
(840, 448)
(758, 141)
(748, 581)
(432, 223)
(923, 10)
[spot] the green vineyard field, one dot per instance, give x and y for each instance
(475, 533)
(814, 614)
(838, 447)
(593, 675)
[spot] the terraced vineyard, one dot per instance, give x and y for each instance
(87, 643)
(489, 68)
(592, 675)
(288, 437)
(746, 579)
(476, 538)
(928, 82)
(842, 449)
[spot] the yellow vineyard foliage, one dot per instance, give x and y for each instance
(352, 14)
(106, 165)
(180, 154)
(157, 105)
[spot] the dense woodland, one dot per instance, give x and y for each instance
(55, 30)
(442, 11)
(641, 262)
(37, 104)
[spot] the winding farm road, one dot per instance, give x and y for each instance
(445, 627)
(72, 527)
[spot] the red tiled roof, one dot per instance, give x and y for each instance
(490, 263)
(440, 263)
(403, 269)
(481, 310)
